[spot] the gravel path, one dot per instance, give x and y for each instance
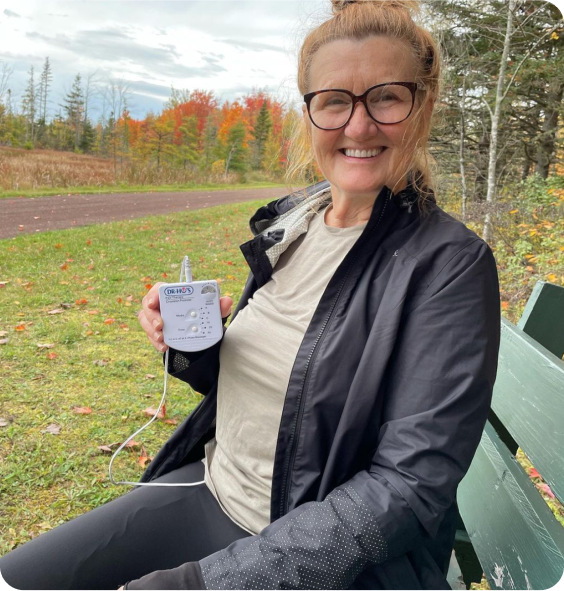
(30, 215)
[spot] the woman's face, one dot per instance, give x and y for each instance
(355, 66)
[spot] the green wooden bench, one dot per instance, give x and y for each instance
(506, 528)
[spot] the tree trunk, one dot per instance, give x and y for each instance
(545, 151)
(491, 195)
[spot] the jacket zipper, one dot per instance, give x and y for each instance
(296, 425)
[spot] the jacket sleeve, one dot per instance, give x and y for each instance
(198, 369)
(436, 405)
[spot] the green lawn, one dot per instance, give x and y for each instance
(102, 273)
(137, 189)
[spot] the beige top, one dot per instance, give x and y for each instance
(256, 357)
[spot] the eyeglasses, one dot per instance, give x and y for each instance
(388, 103)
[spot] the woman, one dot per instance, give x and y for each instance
(347, 398)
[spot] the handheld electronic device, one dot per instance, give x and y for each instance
(191, 322)
(190, 312)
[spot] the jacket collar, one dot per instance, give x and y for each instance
(277, 224)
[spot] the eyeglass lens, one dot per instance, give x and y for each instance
(387, 104)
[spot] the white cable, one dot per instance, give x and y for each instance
(187, 272)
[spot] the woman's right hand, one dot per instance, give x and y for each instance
(151, 320)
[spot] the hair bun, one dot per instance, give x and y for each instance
(411, 6)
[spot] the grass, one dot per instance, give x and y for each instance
(138, 189)
(38, 173)
(46, 479)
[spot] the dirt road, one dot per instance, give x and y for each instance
(30, 215)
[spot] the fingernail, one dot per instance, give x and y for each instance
(163, 347)
(157, 336)
(155, 323)
(150, 302)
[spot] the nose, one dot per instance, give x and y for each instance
(361, 124)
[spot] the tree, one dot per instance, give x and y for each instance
(260, 132)
(44, 84)
(187, 150)
(209, 142)
(29, 107)
(74, 109)
(236, 148)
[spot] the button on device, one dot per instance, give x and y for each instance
(193, 313)
(194, 329)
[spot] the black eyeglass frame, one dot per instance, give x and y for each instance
(361, 98)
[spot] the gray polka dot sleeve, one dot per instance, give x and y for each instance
(325, 546)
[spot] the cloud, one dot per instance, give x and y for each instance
(10, 13)
(149, 89)
(114, 45)
(61, 15)
(251, 45)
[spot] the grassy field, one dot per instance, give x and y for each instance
(72, 343)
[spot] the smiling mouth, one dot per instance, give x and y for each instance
(362, 153)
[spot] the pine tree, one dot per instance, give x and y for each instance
(261, 132)
(44, 84)
(88, 136)
(29, 107)
(236, 150)
(74, 108)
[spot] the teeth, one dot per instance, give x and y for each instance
(364, 153)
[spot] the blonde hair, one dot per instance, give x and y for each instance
(359, 20)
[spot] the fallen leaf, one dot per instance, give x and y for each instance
(127, 303)
(56, 311)
(119, 300)
(129, 298)
(109, 321)
(3, 333)
(3, 341)
(132, 444)
(545, 488)
(150, 412)
(149, 376)
(171, 421)
(21, 227)
(92, 312)
(504, 305)
(64, 267)
(105, 448)
(59, 245)
(51, 355)
(533, 473)
(52, 428)
(4, 283)
(148, 285)
(143, 460)
(45, 345)
(4, 422)
(88, 242)
(101, 362)
(66, 306)
(89, 333)
(20, 327)
(82, 410)
(81, 302)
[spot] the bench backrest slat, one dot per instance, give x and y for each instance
(518, 541)
(529, 400)
(543, 317)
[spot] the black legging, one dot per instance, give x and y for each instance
(147, 529)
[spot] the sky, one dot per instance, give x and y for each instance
(228, 47)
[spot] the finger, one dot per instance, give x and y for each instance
(151, 326)
(225, 305)
(151, 299)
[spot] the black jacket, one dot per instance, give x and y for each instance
(384, 410)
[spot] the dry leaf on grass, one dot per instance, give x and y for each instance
(149, 376)
(150, 412)
(82, 410)
(171, 422)
(4, 422)
(3, 333)
(101, 362)
(3, 341)
(52, 428)
(51, 355)
(20, 327)
(45, 345)
(56, 311)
